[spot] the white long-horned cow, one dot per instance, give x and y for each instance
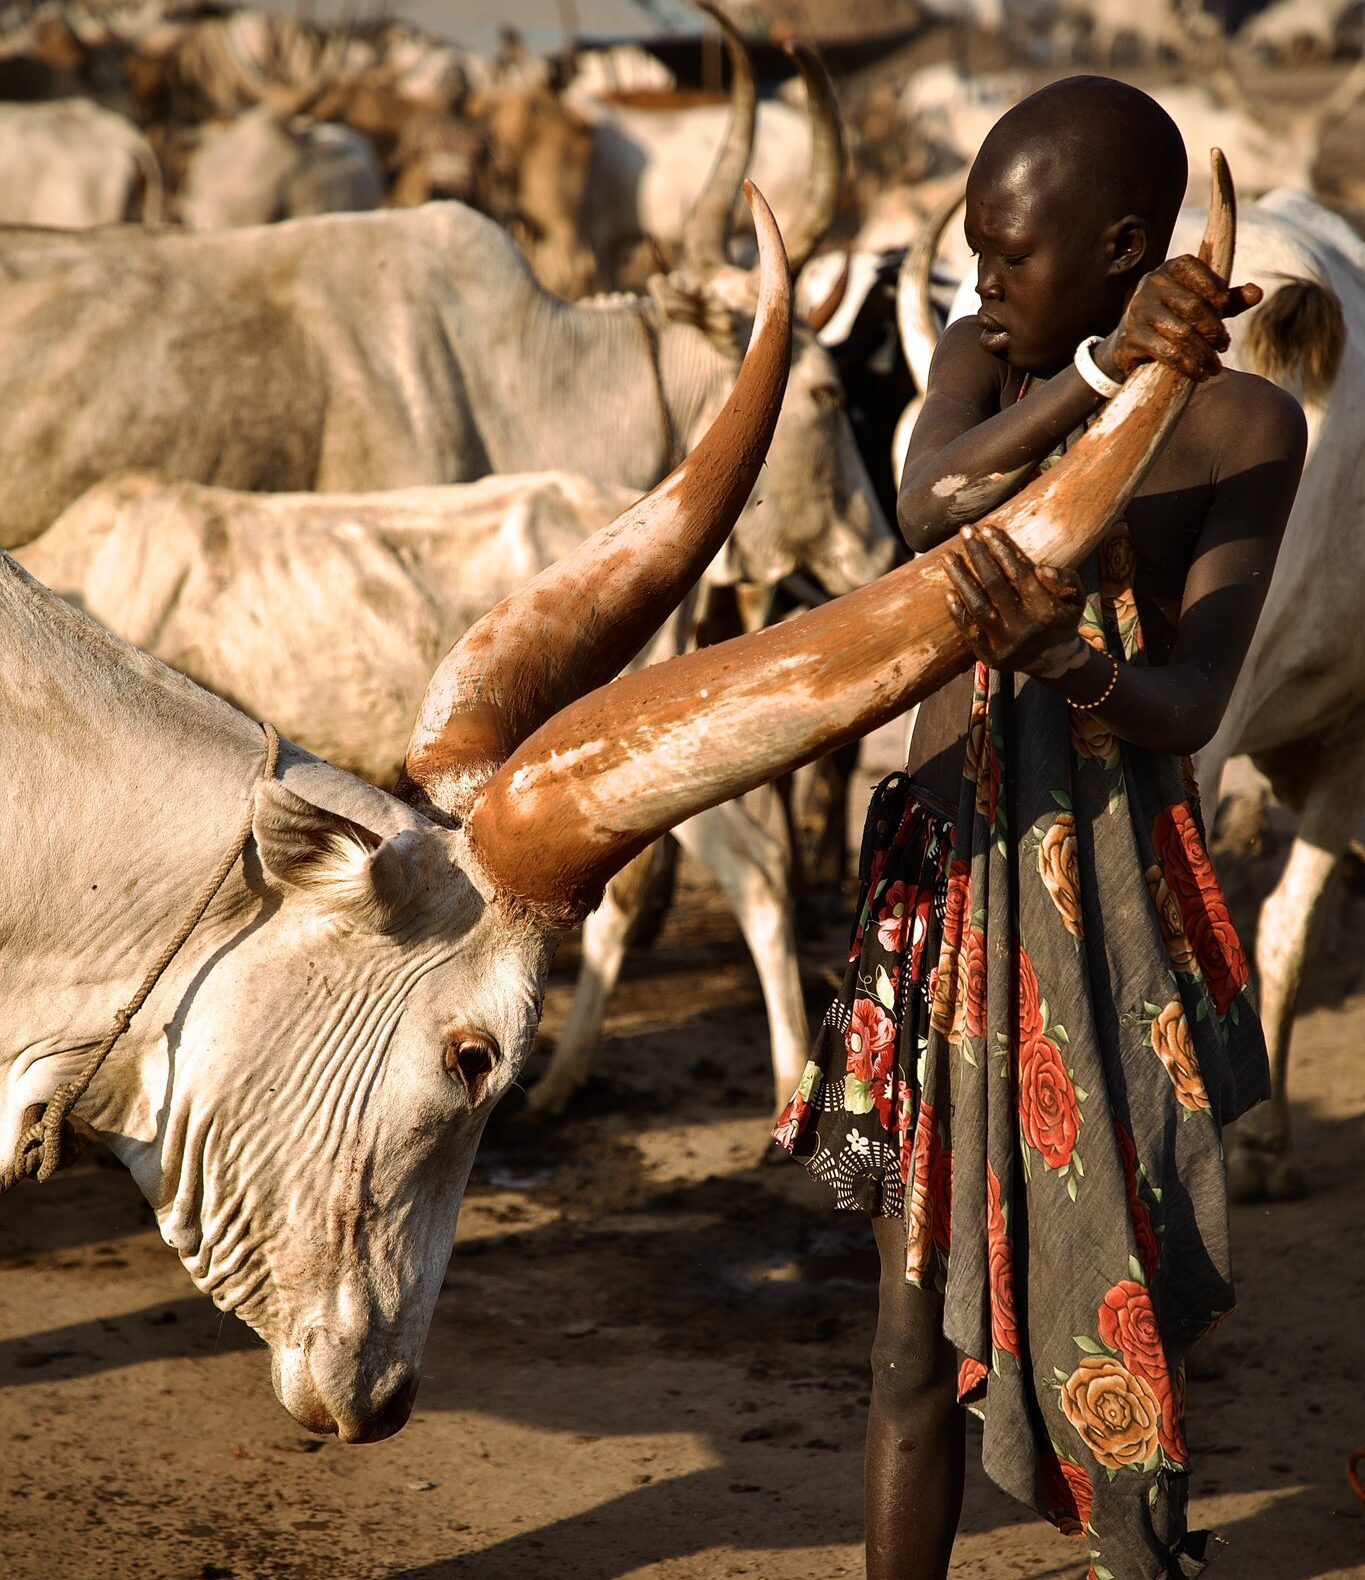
(326, 613)
(72, 164)
(1299, 705)
(270, 165)
(644, 182)
(302, 1093)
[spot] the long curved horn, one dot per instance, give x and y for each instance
(603, 779)
(586, 616)
(833, 298)
(706, 234)
(825, 177)
(915, 315)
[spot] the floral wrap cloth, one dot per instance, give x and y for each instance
(1044, 1026)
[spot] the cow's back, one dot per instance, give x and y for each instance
(326, 614)
(341, 353)
(296, 356)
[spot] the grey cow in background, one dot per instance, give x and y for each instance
(355, 352)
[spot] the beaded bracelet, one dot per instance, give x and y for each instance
(1089, 707)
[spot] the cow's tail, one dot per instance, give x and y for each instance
(1297, 337)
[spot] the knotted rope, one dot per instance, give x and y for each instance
(39, 1151)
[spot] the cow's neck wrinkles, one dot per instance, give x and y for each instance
(696, 377)
(598, 409)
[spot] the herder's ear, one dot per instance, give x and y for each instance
(357, 872)
(1128, 243)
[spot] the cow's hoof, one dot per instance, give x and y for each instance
(1246, 1177)
(1285, 1180)
(1264, 1176)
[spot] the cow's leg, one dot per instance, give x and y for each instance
(657, 892)
(1260, 1161)
(606, 935)
(819, 822)
(745, 846)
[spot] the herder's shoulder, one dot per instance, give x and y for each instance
(965, 381)
(1249, 421)
(959, 356)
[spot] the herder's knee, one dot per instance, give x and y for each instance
(912, 1364)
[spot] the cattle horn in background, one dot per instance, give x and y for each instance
(604, 778)
(706, 235)
(584, 618)
(833, 299)
(916, 318)
(825, 178)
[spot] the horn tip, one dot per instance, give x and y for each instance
(765, 225)
(1219, 243)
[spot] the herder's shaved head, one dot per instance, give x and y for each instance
(1071, 200)
(1101, 142)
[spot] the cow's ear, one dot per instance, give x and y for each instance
(358, 873)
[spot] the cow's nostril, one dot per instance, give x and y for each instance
(387, 1414)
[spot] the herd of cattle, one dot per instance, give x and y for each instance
(299, 459)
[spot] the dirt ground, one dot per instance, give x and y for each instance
(650, 1355)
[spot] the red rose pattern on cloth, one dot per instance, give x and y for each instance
(1188, 872)
(1070, 1029)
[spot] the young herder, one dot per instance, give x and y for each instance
(1045, 1020)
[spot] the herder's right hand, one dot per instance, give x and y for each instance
(1176, 316)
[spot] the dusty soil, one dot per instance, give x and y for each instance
(649, 1359)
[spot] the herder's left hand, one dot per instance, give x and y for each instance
(1013, 613)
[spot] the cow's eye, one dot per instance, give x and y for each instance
(828, 395)
(471, 1057)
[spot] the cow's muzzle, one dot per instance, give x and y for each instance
(359, 1395)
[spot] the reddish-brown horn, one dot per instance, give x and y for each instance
(706, 235)
(584, 618)
(825, 177)
(603, 779)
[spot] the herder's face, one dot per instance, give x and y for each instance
(1043, 271)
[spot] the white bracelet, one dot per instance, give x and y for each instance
(1090, 370)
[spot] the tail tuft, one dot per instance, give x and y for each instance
(1298, 335)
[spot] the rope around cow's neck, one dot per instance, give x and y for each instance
(39, 1151)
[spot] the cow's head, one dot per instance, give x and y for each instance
(305, 1113)
(815, 507)
(328, 1083)
(369, 988)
